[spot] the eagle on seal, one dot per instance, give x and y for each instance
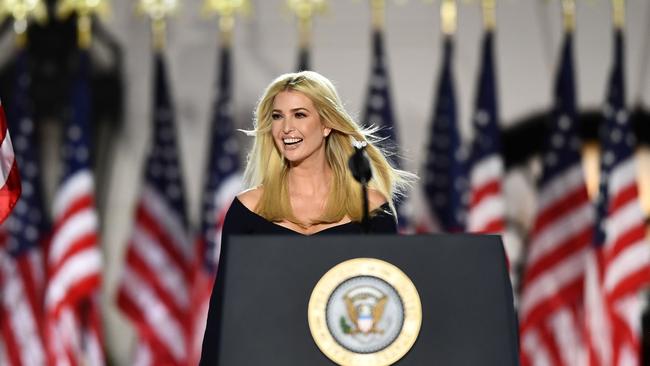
(365, 309)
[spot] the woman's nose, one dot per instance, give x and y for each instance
(287, 125)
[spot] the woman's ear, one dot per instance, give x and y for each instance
(326, 131)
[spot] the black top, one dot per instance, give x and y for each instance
(240, 220)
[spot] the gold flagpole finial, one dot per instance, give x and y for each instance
(618, 13)
(569, 15)
(84, 9)
(448, 16)
(158, 11)
(226, 10)
(378, 13)
(305, 10)
(489, 14)
(22, 12)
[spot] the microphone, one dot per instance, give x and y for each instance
(360, 168)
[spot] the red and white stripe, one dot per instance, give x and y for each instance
(63, 338)
(21, 315)
(74, 338)
(487, 208)
(156, 281)
(74, 266)
(553, 282)
(616, 274)
(9, 177)
(74, 261)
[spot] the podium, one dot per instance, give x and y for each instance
(264, 284)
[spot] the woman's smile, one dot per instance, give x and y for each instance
(291, 143)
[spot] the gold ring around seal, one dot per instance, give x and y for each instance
(364, 267)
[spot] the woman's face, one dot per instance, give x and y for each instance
(297, 129)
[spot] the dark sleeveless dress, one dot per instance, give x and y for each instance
(240, 220)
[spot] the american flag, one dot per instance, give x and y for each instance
(619, 259)
(9, 176)
(154, 291)
(445, 179)
(379, 110)
(22, 277)
(551, 300)
(74, 260)
(486, 212)
(222, 183)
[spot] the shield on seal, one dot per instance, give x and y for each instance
(365, 307)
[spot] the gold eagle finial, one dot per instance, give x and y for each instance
(84, 9)
(226, 10)
(158, 11)
(22, 12)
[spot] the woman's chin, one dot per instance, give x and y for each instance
(297, 157)
(292, 160)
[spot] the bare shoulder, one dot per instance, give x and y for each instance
(251, 197)
(375, 199)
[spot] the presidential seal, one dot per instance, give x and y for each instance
(365, 311)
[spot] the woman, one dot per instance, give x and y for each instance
(298, 172)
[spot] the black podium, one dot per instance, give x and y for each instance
(265, 282)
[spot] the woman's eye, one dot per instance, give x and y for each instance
(276, 116)
(300, 115)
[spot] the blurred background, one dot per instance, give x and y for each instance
(126, 141)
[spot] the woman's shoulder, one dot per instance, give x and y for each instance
(250, 197)
(241, 217)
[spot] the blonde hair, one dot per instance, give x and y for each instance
(266, 166)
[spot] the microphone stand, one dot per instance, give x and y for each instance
(360, 167)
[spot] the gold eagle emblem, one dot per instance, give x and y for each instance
(365, 306)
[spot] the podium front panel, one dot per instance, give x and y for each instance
(265, 283)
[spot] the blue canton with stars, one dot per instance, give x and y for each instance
(562, 146)
(223, 159)
(445, 180)
(616, 135)
(163, 169)
(76, 139)
(27, 224)
(487, 139)
(379, 109)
